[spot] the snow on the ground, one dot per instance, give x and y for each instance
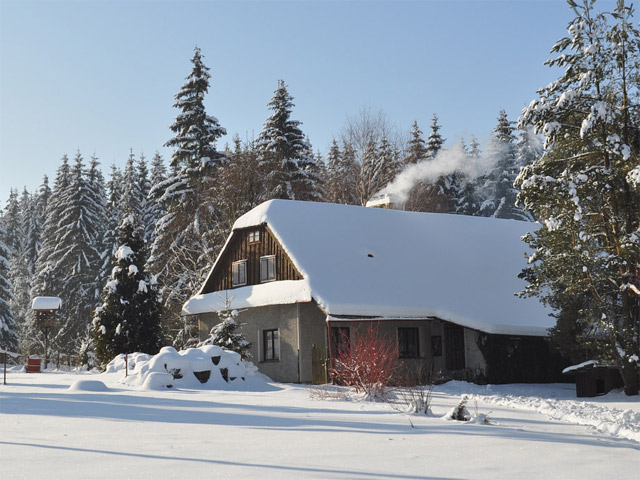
(280, 431)
(615, 414)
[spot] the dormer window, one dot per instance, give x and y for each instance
(267, 268)
(239, 273)
(254, 236)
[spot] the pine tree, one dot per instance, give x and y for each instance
(132, 197)
(113, 217)
(586, 263)
(225, 334)
(196, 133)
(285, 155)
(129, 318)
(498, 190)
(469, 198)
(188, 237)
(342, 173)
(416, 149)
(47, 281)
(435, 142)
(8, 328)
(155, 209)
(74, 261)
(22, 262)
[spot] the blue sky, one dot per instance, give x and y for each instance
(100, 76)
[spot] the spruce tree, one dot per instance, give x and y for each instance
(435, 142)
(586, 259)
(129, 318)
(497, 185)
(8, 328)
(225, 334)
(22, 261)
(416, 149)
(47, 281)
(187, 237)
(286, 157)
(74, 261)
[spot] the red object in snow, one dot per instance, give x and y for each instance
(33, 365)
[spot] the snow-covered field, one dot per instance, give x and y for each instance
(268, 430)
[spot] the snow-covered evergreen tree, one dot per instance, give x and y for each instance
(22, 261)
(225, 334)
(285, 155)
(74, 260)
(497, 185)
(417, 148)
(342, 175)
(113, 217)
(585, 190)
(132, 197)
(155, 209)
(435, 142)
(187, 237)
(46, 281)
(129, 318)
(8, 328)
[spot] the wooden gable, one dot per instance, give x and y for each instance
(244, 246)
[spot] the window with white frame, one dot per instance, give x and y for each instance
(254, 236)
(270, 345)
(267, 268)
(239, 273)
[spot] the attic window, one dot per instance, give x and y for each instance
(239, 273)
(267, 268)
(254, 236)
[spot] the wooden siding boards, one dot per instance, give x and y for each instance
(240, 248)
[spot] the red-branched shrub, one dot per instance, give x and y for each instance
(368, 362)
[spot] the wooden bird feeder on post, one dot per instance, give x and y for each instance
(44, 309)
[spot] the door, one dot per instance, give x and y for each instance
(454, 346)
(318, 365)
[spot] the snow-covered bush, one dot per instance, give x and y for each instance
(209, 366)
(460, 412)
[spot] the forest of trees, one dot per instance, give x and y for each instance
(66, 239)
(571, 163)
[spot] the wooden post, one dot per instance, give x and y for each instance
(126, 364)
(330, 353)
(5, 368)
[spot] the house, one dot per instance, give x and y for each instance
(305, 275)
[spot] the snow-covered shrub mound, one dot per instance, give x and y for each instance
(210, 367)
(88, 386)
(119, 363)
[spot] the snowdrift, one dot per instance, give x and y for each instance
(207, 367)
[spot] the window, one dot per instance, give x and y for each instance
(408, 342)
(254, 236)
(239, 273)
(271, 345)
(436, 345)
(267, 268)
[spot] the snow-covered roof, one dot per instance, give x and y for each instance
(46, 303)
(361, 261)
(273, 293)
